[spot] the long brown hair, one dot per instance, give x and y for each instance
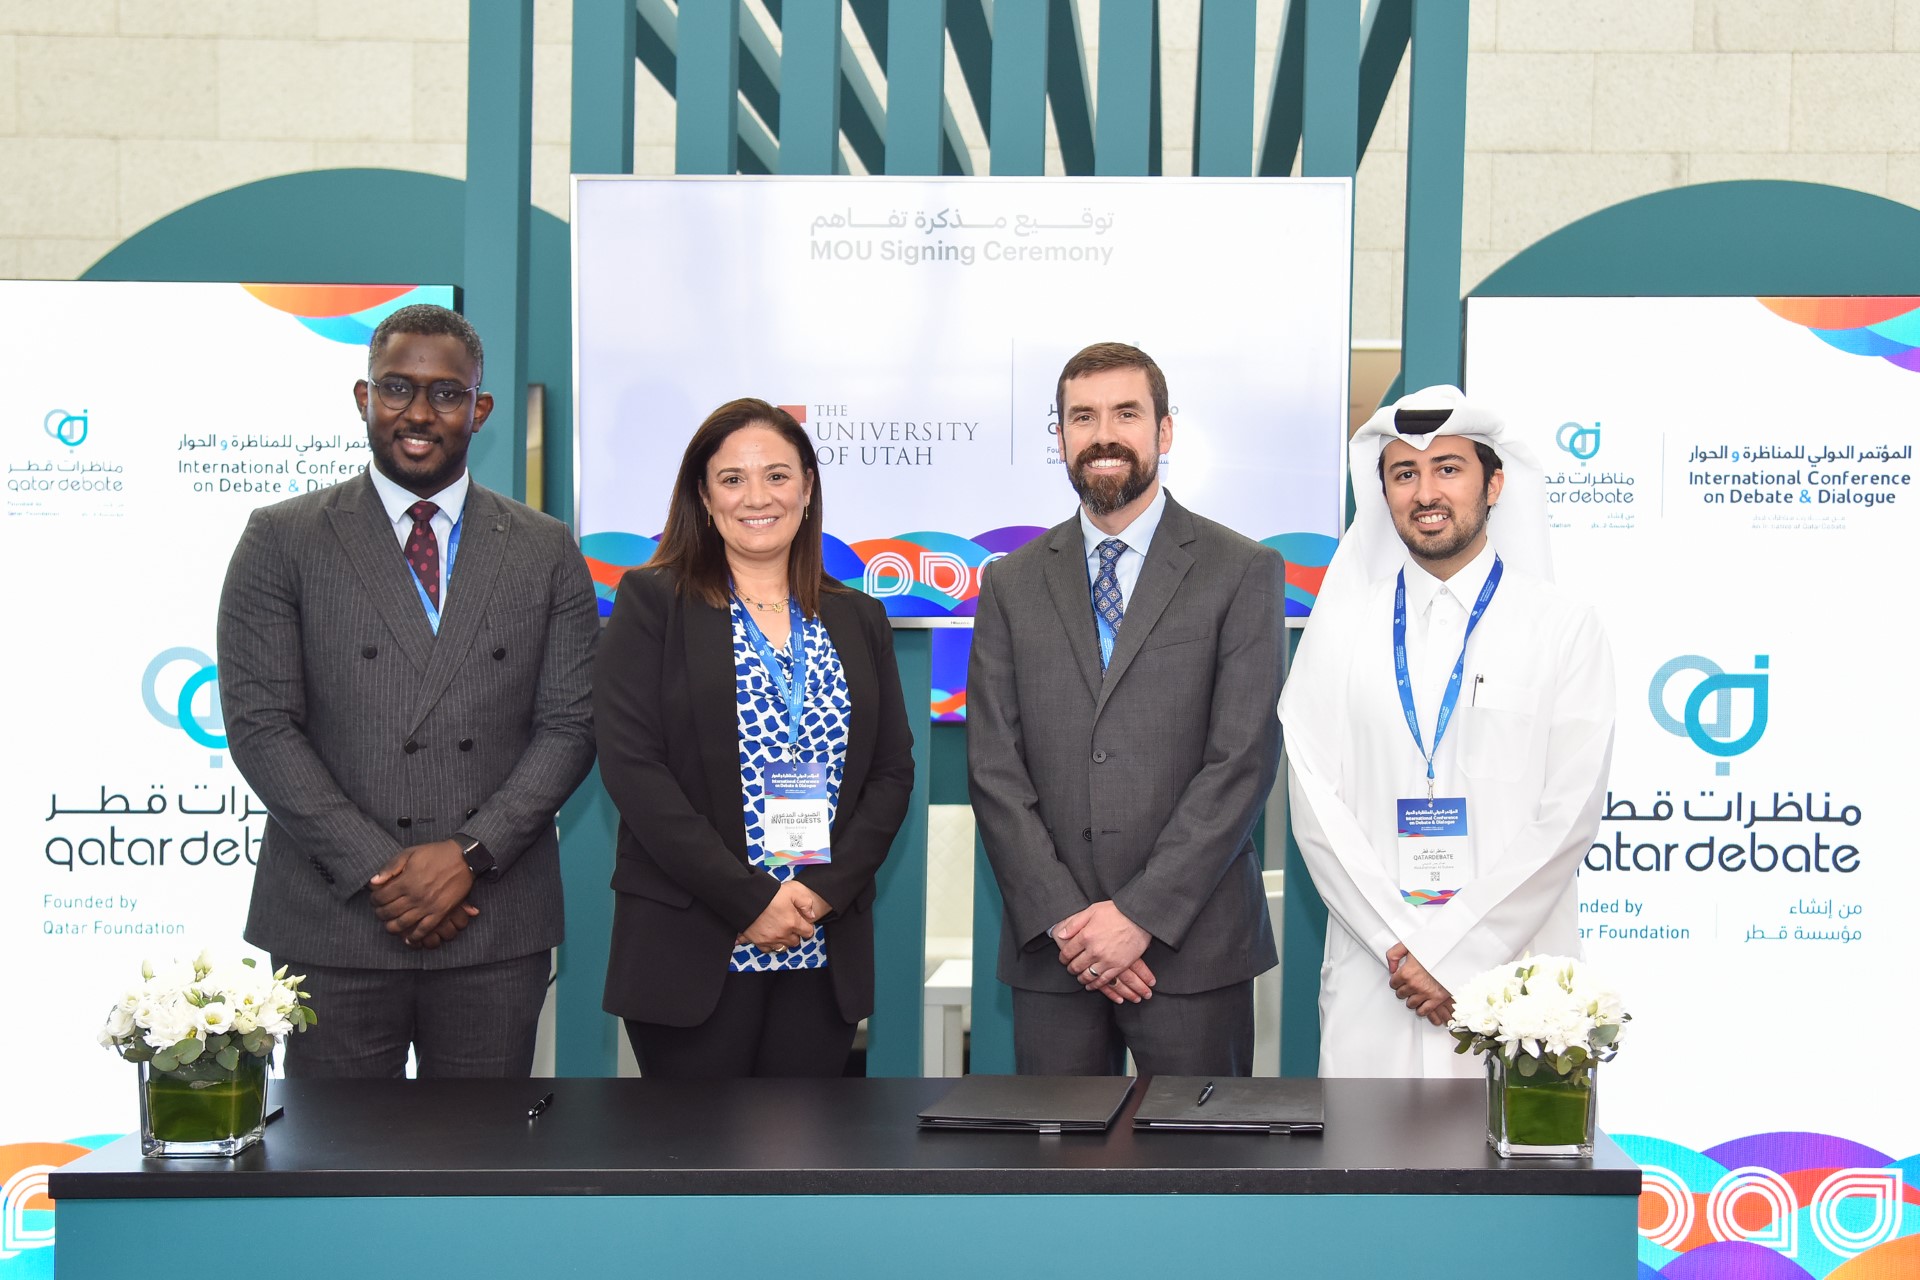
(691, 546)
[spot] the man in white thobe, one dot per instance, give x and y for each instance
(1443, 798)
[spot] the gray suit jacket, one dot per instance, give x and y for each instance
(1141, 786)
(364, 732)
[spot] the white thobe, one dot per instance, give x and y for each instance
(1528, 746)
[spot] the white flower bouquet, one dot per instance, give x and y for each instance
(188, 1009)
(1544, 1011)
(1544, 1024)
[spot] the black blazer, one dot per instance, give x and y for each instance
(665, 719)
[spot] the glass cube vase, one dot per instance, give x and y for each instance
(203, 1109)
(1544, 1114)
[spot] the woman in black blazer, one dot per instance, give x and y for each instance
(740, 947)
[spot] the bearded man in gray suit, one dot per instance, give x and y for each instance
(411, 729)
(1121, 742)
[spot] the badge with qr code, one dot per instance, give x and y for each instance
(795, 813)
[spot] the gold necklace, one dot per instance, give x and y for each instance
(764, 606)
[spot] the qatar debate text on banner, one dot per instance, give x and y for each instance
(916, 328)
(143, 422)
(1732, 484)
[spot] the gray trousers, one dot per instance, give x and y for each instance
(475, 1021)
(1082, 1033)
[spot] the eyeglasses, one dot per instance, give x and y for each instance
(444, 396)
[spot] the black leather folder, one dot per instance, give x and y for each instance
(1259, 1105)
(1030, 1104)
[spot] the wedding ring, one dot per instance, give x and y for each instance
(1095, 972)
(779, 946)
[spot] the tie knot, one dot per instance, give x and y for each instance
(1110, 550)
(423, 511)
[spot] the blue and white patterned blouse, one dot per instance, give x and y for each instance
(763, 741)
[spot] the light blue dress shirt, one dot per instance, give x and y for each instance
(451, 500)
(1126, 570)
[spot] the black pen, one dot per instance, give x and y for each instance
(533, 1112)
(1205, 1093)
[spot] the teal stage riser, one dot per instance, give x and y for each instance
(845, 1237)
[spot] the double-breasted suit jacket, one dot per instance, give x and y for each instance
(365, 732)
(1140, 784)
(666, 717)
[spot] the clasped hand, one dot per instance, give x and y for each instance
(422, 893)
(788, 920)
(1416, 987)
(1102, 949)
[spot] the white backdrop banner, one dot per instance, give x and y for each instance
(143, 423)
(916, 327)
(1732, 485)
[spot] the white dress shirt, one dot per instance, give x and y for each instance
(451, 500)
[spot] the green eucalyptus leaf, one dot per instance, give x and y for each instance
(189, 1050)
(228, 1057)
(1528, 1064)
(164, 1062)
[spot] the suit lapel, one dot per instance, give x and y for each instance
(708, 635)
(1167, 563)
(1073, 598)
(360, 522)
(486, 527)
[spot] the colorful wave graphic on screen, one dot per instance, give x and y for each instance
(346, 312)
(1886, 328)
(1776, 1206)
(929, 574)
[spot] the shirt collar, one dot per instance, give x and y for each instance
(1138, 536)
(1463, 586)
(451, 500)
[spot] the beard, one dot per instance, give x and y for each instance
(1467, 525)
(1107, 492)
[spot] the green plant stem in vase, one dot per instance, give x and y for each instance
(203, 1108)
(1546, 1113)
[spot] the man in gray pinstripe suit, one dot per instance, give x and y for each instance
(411, 729)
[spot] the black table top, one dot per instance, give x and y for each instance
(820, 1137)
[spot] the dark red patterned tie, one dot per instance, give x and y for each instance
(423, 549)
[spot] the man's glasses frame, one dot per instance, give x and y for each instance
(443, 397)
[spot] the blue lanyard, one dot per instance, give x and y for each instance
(426, 602)
(1452, 696)
(792, 692)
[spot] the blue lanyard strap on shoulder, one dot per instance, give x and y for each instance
(1451, 698)
(792, 692)
(419, 588)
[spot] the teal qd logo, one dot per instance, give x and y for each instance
(206, 728)
(1707, 719)
(1578, 439)
(70, 429)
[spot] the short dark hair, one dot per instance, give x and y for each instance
(433, 321)
(1489, 463)
(1099, 358)
(691, 547)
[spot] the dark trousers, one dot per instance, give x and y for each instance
(766, 1024)
(1082, 1033)
(475, 1021)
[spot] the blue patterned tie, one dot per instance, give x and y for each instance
(1106, 585)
